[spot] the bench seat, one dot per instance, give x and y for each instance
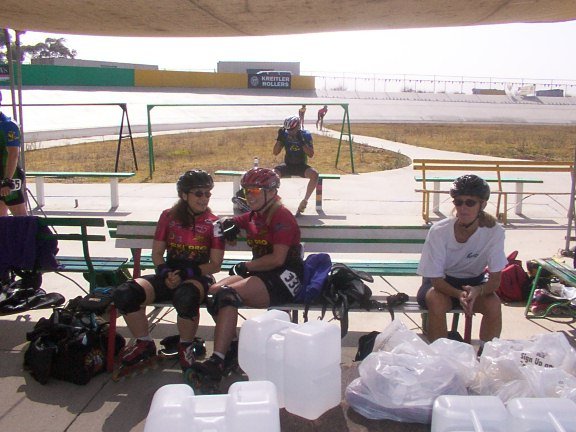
(238, 174)
(113, 176)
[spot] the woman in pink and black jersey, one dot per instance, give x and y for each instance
(271, 278)
(188, 248)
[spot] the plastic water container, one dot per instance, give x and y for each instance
(254, 335)
(302, 360)
(248, 406)
(542, 415)
(312, 374)
(451, 413)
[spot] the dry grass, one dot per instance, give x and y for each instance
(533, 142)
(235, 149)
(213, 150)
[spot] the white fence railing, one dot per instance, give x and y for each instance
(376, 83)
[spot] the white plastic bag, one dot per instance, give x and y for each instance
(460, 356)
(403, 376)
(543, 366)
(401, 387)
(396, 334)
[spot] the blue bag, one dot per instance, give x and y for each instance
(316, 270)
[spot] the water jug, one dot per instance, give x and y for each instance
(542, 415)
(469, 414)
(254, 335)
(312, 374)
(247, 407)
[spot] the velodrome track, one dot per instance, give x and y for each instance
(42, 123)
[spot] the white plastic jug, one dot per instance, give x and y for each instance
(542, 415)
(312, 373)
(248, 406)
(452, 413)
(302, 360)
(254, 335)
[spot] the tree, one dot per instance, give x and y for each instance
(50, 48)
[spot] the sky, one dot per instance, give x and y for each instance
(540, 51)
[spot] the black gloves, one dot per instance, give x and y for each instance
(162, 270)
(230, 230)
(186, 269)
(7, 182)
(239, 270)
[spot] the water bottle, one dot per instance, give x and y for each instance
(256, 162)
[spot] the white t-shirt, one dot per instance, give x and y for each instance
(442, 255)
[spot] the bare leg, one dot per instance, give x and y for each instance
(438, 305)
(3, 209)
(187, 327)
(136, 321)
(491, 310)
(312, 175)
(19, 210)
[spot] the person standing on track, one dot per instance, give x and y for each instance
(320, 121)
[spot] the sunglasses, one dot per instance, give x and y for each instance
(200, 194)
(253, 191)
(468, 203)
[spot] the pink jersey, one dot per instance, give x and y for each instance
(192, 243)
(282, 229)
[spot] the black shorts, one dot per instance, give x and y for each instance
(281, 284)
(16, 196)
(292, 170)
(455, 282)
(162, 293)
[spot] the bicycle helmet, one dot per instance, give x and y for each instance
(291, 122)
(472, 185)
(194, 179)
(264, 178)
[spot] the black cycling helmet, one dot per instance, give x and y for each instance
(194, 179)
(472, 185)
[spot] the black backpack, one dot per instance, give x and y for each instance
(345, 288)
(71, 345)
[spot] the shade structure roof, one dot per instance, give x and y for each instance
(183, 18)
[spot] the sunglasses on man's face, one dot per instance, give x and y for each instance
(253, 191)
(468, 203)
(200, 194)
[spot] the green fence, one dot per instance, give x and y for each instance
(57, 76)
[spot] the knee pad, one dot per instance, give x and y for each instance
(186, 300)
(128, 297)
(226, 296)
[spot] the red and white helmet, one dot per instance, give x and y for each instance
(292, 122)
(263, 178)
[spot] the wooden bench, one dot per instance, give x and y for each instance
(348, 240)
(480, 167)
(238, 174)
(81, 230)
(113, 176)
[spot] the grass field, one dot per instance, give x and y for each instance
(235, 149)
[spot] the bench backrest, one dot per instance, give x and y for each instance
(492, 165)
(317, 238)
(496, 166)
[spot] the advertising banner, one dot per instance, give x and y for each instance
(270, 80)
